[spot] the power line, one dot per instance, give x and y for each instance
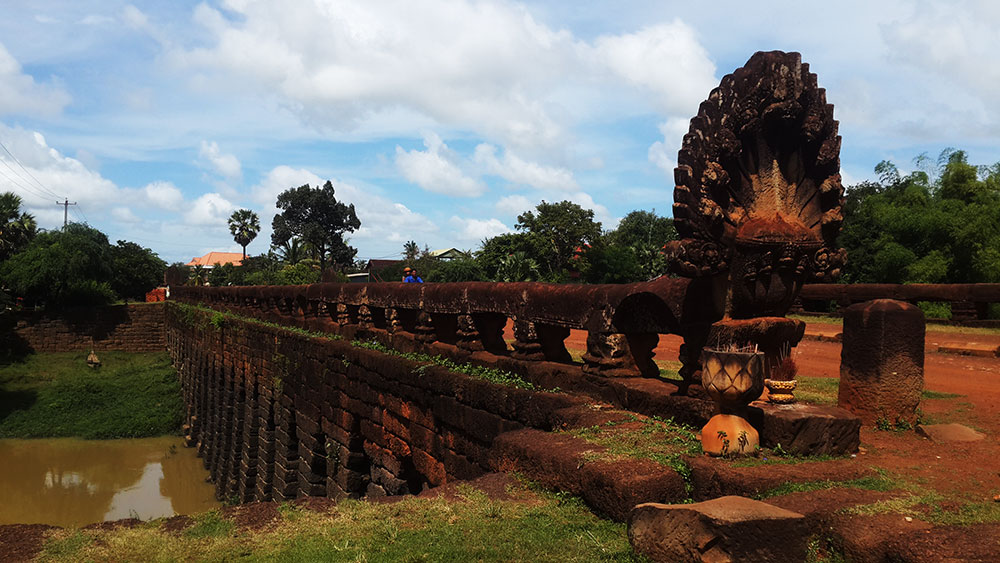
(19, 185)
(65, 205)
(39, 184)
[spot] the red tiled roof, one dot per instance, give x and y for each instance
(213, 258)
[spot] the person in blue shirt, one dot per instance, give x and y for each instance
(413, 277)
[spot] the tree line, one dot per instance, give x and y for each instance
(938, 224)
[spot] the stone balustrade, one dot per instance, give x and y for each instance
(622, 321)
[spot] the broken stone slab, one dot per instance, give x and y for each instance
(729, 528)
(953, 432)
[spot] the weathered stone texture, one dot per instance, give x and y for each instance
(129, 328)
(882, 361)
(724, 529)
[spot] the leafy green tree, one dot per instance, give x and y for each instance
(411, 251)
(315, 216)
(135, 270)
(645, 233)
(244, 226)
(62, 268)
(293, 251)
(494, 252)
(459, 270)
(17, 228)
(558, 231)
(517, 267)
(604, 263)
(939, 224)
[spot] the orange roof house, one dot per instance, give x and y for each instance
(213, 258)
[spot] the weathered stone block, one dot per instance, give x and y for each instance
(882, 361)
(723, 529)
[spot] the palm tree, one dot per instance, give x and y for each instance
(411, 250)
(16, 228)
(293, 251)
(244, 226)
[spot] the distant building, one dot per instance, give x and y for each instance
(449, 254)
(212, 258)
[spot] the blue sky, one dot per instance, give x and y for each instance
(442, 120)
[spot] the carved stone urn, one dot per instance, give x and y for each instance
(732, 379)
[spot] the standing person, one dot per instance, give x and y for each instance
(406, 273)
(413, 277)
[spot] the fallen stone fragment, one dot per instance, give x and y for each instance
(953, 432)
(727, 528)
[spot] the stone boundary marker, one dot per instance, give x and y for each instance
(882, 361)
(727, 528)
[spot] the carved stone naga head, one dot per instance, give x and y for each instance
(758, 192)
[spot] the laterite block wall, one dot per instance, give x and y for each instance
(129, 328)
(277, 414)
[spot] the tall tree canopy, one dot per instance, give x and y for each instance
(558, 231)
(136, 270)
(77, 266)
(244, 226)
(17, 228)
(315, 216)
(940, 224)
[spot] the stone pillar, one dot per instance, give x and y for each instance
(535, 341)
(392, 322)
(621, 355)
(425, 328)
(882, 361)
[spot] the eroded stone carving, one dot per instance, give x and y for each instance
(758, 190)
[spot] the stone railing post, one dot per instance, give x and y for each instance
(621, 355)
(882, 361)
(535, 341)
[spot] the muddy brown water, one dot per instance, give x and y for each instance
(71, 482)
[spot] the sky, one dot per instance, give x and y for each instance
(442, 120)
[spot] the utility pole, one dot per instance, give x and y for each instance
(65, 205)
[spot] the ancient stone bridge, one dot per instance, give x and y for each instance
(279, 413)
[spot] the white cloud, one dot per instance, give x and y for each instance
(164, 195)
(501, 74)
(435, 169)
(665, 59)
(519, 171)
(664, 153)
(474, 231)
(226, 165)
(381, 218)
(210, 209)
(514, 204)
(601, 212)
(20, 94)
(125, 215)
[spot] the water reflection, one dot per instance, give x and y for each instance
(67, 482)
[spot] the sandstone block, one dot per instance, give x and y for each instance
(882, 360)
(723, 529)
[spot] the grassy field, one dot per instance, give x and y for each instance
(532, 525)
(58, 395)
(931, 327)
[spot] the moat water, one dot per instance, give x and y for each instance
(71, 482)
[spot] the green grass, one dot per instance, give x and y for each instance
(492, 375)
(58, 395)
(878, 482)
(817, 390)
(928, 394)
(660, 440)
(931, 327)
(531, 526)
